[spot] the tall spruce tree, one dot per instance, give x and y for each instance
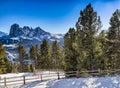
(101, 51)
(56, 55)
(113, 37)
(89, 23)
(5, 65)
(34, 55)
(44, 60)
(21, 57)
(70, 51)
(80, 51)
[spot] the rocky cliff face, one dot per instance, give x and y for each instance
(26, 31)
(15, 31)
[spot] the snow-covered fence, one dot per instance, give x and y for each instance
(21, 80)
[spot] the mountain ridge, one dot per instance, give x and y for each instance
(28, 37)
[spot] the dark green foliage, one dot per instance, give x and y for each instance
(56, 55)
(44, 62)
(32, 68)
(70, 51)
(80, 51)
(5, 65)
(89, 23)
(34, 55)
(91, 50)
(27, 67)
(21, 57)
(80, 45)
(113, 36)
(102, 48)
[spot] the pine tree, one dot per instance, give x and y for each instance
(34, 55)
(81, 60)
(26, 67)
(113, 37)
(70, 51)
(44, 61)
(22, 56)
(56, 55)
(5, 65)
(101, 48)
(89, 23)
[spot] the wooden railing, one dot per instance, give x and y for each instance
(21, 80)
(92, 73)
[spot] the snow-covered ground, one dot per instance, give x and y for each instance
(101, 82)
(90, 82)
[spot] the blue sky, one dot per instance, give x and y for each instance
(55, 16)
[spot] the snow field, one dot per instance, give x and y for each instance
(101, 82)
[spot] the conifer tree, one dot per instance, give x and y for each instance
(89, 23)
(26, 67)
(70, 51)
(21, 57)
(113, 37)
(34, 55)
(101, 48)
(5, 65)
(44, 60)
(81, 60)
(56, 55)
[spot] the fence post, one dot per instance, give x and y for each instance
(41, 77)
(99, 72)
(5, 82)
(77, 74)
(58, 75)
(24, 79)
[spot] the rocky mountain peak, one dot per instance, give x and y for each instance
(26, 31)
(28, 36)
(14, 30)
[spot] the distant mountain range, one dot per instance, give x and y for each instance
(27, 37)
(2, 34)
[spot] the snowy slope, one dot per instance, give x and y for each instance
(102, 82)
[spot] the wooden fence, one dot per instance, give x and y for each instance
(21, 80)
(93, 73)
